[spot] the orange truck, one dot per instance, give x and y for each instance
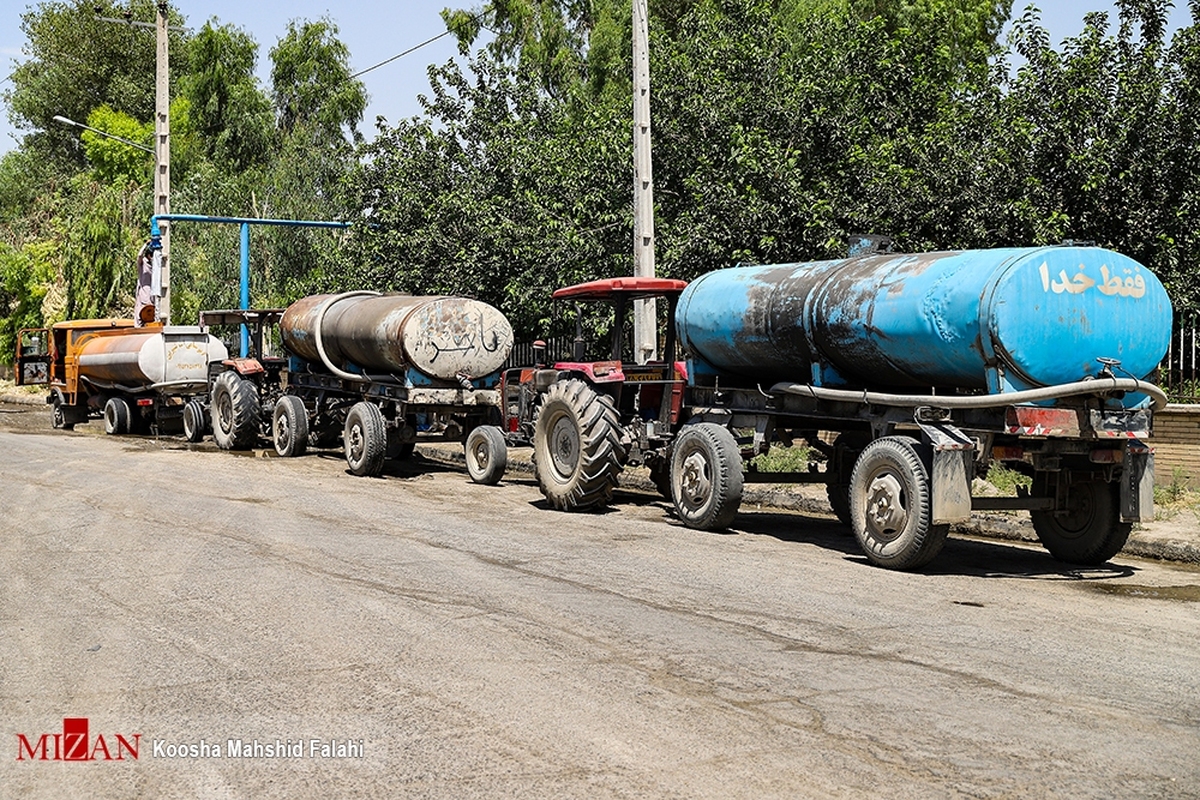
(139, 379)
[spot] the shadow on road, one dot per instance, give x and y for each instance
(966, 556)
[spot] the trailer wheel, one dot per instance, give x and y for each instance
(706, 476)
(890, 505)
(365, 439)
(846, 449)
(195, 421)
(577, 451)
(1091, 531)
(117, 416)
(660, 476)
(289, 426)
(235, 412)
(486, 454)
(59, 419)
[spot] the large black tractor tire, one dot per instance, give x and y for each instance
(366, 440)
(235, 412)
(289, 427)
(117, 416)
(487, 455)
(706, 476)
(1091, 531)
(195, 421)
(891, 505)
(577, 452)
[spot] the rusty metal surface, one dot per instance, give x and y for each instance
(987, 320)
(134, 357)
(442, 337)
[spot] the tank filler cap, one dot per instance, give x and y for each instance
(1108, 364)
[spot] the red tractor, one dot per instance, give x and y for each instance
(588, 420)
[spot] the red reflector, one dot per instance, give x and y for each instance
(1105, 456)
(512, 424)
(145, 401)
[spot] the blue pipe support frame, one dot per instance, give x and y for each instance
(245, 223)
(245, 281)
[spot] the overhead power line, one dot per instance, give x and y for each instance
(412, 49)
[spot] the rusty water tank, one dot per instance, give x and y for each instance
(445, 338)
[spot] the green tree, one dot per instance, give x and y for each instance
(311, 83)
(115, 161)
(78, 62)
(502, 193)
(230, 113)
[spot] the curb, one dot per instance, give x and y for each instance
(1143, 542)
(23, 399)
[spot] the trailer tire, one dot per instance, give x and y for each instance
(577, 451)
(365, 439)
(117, 416)
(289, 427)
(235, 412)
(195, 421)
(706, 476)
(846, 449)
(660, 476)
(891, 505)
(486, 455)
(59, 417)
(1091, 531)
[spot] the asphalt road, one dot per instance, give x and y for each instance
(472, 643)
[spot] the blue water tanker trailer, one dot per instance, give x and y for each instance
(914, 374)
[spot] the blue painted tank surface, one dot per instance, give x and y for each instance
(995, 320)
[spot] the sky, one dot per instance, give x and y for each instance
(375, 31)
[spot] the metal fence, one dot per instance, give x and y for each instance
(558, 348)
(1178, 373)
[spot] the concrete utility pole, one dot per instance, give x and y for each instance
(162, 166)
(645, 333)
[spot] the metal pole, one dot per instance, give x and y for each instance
(645, 335)
(162, 147)
(245, 281)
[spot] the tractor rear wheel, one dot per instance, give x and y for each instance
(577, 449)
(235, 412)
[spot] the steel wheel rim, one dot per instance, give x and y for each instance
(564, 445)
(480, 453)
(284, 430)
(355, 442)
(225, 412)
(695, 479)
(887, 511)
(1081, 509)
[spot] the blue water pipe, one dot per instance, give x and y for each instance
(245, 223)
